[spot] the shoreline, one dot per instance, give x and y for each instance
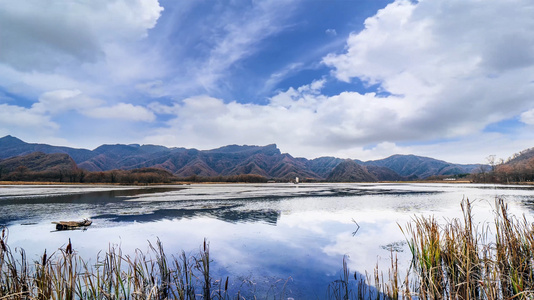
(52, 183)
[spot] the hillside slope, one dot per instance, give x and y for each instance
(350, 171)
(418, 167)
(266, 161)
(38, 162)
(11, 146)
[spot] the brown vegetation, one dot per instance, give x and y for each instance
(517, 169)
(60, 168)
(146, 176)
(136, 176)
(231, 160)
(65, 275)
(457, 260)
(246, 178)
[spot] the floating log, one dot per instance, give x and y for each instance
(66, 225)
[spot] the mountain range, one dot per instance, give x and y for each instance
(267, 161)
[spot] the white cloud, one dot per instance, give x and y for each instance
(451, 67)
(41, 36)
(475, 148)
(99, 47)
(121, 111)
(452, 75)
(60, 101)
(331, 32)
(12, 115)
(302, 121)
(528, 117)
(49, 49)
(306, 123)
(25, 123)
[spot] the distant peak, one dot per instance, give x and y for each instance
(11, 139)
(242, 148)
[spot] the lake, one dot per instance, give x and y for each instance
(268, 238)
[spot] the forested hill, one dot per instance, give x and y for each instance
(265, 161)
(418, 167)
(518, 168)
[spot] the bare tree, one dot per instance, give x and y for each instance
(491, 161)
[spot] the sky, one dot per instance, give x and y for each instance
(361, 79)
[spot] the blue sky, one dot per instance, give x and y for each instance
(363, 79)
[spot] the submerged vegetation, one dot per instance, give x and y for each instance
(460, 259)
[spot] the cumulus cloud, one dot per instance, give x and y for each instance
(43, 121)
(12, 115)
(77, 57)
(445, 69)
(60, 101)
(449, 77)
(528, 117)
(41, 36)
(441, 79)
(121, 111)
(23, 122)
(300, 120)
(308, 124)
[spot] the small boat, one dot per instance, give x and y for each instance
(67, 225)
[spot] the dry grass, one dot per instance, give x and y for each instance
(457, 260)
(463, 260)
(65, 275)
(59, 183)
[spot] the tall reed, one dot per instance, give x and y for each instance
(459, 259)
(455, 260)
(65, 275)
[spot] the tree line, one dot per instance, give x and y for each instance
(505, 172)
(135, 176)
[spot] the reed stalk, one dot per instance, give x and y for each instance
(456, 260)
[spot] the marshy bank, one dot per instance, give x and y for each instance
(460, 259)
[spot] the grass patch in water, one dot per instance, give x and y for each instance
(457, 260)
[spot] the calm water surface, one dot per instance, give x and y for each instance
(263, 236)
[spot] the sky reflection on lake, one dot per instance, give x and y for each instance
(263, 236)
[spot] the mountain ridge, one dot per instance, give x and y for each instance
(420, 167)
(267, 161)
